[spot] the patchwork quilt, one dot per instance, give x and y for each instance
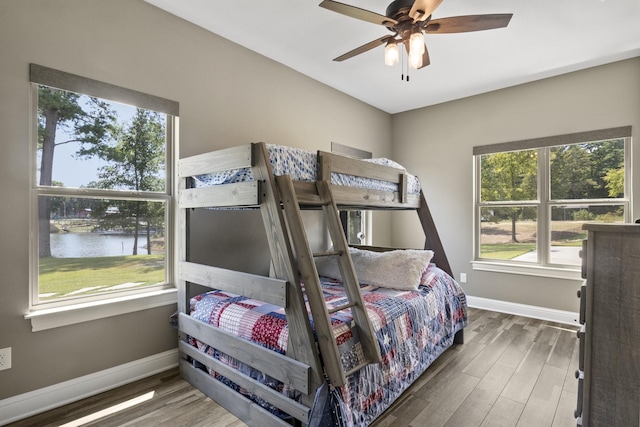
(302, 165)
(412, 328)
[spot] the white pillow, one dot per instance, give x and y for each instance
(397, 269)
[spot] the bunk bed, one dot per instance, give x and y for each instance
(310, 342)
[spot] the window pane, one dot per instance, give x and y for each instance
(587, 171)
(96, 246)
(508, 233)
(355, 221)
(86, 142)
(509, 176)
(567, 233)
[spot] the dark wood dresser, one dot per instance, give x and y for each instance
(609, 362)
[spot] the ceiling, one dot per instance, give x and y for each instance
(544, 38)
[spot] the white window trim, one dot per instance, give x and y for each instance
(55, 317)
(569, 273)
(63, 313)
(533, 269)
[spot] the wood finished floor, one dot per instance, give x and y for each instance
(511, 371)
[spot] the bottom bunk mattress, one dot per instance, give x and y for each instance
(412, 327)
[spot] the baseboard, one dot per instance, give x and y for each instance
(542, 313)
(44, 399)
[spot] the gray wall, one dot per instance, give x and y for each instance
(436, 144)
(228, 96)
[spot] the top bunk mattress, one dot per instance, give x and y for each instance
(301, 165)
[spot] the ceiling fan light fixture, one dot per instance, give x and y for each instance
(409, 21)
(416, 43)
(415, 60)
(391, 54)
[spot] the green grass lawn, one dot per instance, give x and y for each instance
(64, 275)
(564, 233)
(506, 250)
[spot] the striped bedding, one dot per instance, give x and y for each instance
(412, 328)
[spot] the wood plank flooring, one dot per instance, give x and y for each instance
(511, 371)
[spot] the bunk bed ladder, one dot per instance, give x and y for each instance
(321, 314)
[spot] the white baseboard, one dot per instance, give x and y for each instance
(542, 313)
(44, 399)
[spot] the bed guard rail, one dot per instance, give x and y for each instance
(281, 367)
(329, 163)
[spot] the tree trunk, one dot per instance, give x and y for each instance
(514, 219)
(136, 228)
(148, 237)
(46, 173)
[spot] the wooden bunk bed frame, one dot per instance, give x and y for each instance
(280, 200)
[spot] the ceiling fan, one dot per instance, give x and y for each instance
(408, 20)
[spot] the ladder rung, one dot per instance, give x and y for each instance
(331, 253)
(358, 367)
(319, 202)
(342, 307)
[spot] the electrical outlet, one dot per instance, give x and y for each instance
(5, 358)
(463, 277)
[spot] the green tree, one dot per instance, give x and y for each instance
(579, 171)
(606, 156)
(136, 161)
(571, 172)
(509, 176)
(614, 179)
(88, 124)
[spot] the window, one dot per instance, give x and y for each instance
(533, 196)
(357, 225)
(102, 190)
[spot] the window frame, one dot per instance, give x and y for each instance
(81, 308)
(544, 204)
(366, 216)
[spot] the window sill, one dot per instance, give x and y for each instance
(528, 270)
(63, 316)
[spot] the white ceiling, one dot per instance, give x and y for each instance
(543, 39)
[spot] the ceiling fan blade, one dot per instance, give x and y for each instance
(356, 12)
(422, 9)
(363, 48)
(425, 58)
(464, 24)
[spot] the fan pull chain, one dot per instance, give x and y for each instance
(407, 71)
(403, 67)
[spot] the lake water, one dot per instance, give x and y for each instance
(77, 245)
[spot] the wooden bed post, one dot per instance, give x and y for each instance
(432, 238)
(182, 249)
(433, 242)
